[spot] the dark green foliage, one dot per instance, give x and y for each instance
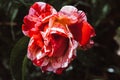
(99, 63)
(17, 58)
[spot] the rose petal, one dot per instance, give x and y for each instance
(82, 32)
(59, 28)
(33, 49)
(73, 11)
(38, 40)
(69, 10)
(87, 33)
(82, 16)
(38, 62)
(71, 14)
(43, 10)
(38, 13)
(29, 27)
(56, 26)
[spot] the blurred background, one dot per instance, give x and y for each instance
(102, 62)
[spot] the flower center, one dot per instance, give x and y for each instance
(59, 44)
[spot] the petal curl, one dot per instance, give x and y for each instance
(69, 9)
(73, 14)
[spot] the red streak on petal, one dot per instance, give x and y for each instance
(33, 48)
(38, 62)
(42, 9)
(38, 40)
(29, 22)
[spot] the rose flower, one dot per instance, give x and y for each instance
(54, 36)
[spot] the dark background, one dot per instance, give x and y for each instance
(102, 62)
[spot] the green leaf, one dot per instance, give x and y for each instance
(14, 12)
(24, 66)
(17, 56)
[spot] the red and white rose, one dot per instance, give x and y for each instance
(54, 36)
